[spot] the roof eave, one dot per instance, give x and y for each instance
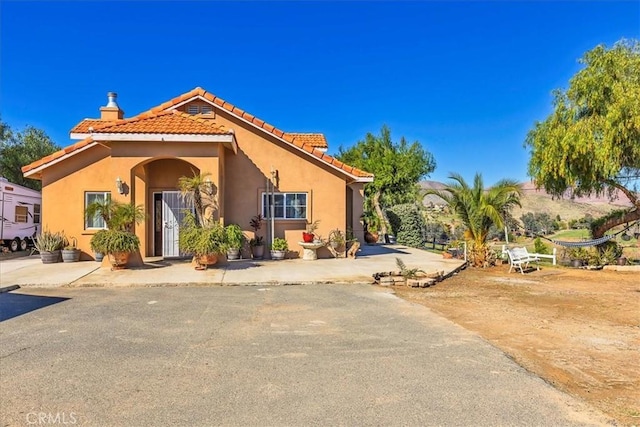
(35, 172)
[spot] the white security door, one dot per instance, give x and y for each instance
(173, 208)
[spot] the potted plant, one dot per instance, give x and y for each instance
(578, 256)
(235, 241)
(201, 234)
(279, 248)
(49, 245)
(309, 235)
(204, 243)
(98, 245)
(371, 226)
(70, 253)
(118, 241)
(337, 239)
(257, 243)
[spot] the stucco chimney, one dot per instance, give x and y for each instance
(111, 111)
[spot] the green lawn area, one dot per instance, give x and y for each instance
(579, 234)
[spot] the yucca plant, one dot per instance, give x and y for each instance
(48, 241)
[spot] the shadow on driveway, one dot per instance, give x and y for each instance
(14, 305)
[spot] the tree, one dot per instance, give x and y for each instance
(20, 149)
(479, 208)
(397, 168)
(590, 144)
(199, 191)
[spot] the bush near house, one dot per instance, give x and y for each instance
(407, 224)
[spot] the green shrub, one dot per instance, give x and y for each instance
(279, 244)
(234, 235)
(539, 247)
(407, 224)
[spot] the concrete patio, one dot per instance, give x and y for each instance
(30, 272)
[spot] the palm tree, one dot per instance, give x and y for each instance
(198, 190)
(479, 208)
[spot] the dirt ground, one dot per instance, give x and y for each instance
(577, 329)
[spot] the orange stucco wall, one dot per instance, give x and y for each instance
(240, 179)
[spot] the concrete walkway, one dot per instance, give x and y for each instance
(30, 272)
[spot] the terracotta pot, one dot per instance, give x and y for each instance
(370, 238)
(119, 259)
(307, 237)
(208, 259)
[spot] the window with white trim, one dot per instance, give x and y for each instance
(206, 109)
(36, 213)
(95, 196)
(286, 205)
(192, 109)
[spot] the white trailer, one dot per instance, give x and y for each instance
(20, 209)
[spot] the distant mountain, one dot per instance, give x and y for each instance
(539, 201)
(431, 198)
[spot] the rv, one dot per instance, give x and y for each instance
(20, 209)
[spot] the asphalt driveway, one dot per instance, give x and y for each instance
(257, 356)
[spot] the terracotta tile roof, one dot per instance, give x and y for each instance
(164, 119)
(302, 143)
(316, 140)
(170, 122)
(83, 126)
(58, 154)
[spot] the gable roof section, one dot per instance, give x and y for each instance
(59, 155)
(303, 143)
(165, 119)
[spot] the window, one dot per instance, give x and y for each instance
(192, 109)
(36, 213)
(286, 205)
(90, 197)
(206, 109)
(21, 213)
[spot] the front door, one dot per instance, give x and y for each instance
(173, 208)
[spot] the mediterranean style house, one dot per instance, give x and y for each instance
(140, 159)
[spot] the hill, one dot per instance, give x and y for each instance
(539, 201)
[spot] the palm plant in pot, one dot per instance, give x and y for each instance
(235, 240)
(204, 243)
(201, 234)
(117, 241)
(257, 243)
(49, 245)
(279, 248)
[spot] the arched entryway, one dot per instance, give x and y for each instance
(164, 205)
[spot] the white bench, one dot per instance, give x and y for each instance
(519, 257)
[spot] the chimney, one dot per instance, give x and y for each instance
(111, 112)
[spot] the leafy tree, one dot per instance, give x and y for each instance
(590, 144)
(539, 222)
(20, 149)
(397, 168)
(479, 208)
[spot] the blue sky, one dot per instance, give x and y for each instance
(466, 79)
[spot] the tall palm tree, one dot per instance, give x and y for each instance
(479, 208)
